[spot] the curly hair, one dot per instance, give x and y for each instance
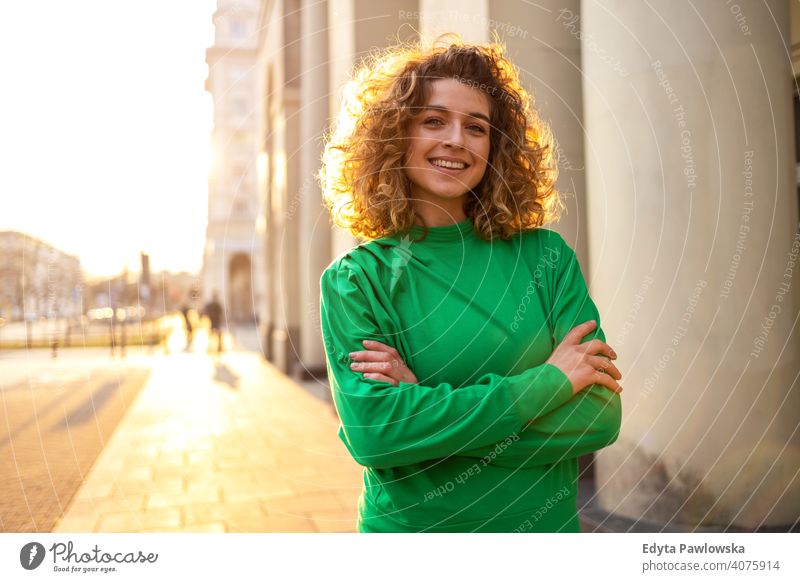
(364, 185)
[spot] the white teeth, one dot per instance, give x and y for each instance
(446, 164)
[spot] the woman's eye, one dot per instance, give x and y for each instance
(433, 121)
(477, 128)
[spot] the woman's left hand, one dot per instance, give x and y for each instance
(381, 362)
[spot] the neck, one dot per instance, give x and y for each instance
(439, 215)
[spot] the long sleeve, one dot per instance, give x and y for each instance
(587, 422)
(390, 426)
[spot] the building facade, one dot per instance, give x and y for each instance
(37, 280)
(233, 251)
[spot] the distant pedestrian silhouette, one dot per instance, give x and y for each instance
(187, 323)
(213, 310)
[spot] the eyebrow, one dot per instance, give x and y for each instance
(446, 110)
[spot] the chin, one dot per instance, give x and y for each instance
(448, 191)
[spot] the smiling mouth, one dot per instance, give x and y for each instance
(448, 166)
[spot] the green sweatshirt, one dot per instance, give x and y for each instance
(488, 439)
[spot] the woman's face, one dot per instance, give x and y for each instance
(448, 145)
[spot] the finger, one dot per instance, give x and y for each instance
(602, 364)
(577, 333)
(597, 347)
(373, 345)
(371, 366)
(381, 378)
(370, 356)
(612, 353)
(607, 381)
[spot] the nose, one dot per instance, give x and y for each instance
(455, 138)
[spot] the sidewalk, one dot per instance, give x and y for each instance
(225, 444)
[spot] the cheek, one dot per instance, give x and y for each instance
(479, 147)
(481, 170)
(422, 143)
(481, 154)
(485, 150)
(414, 153)
(418, 153)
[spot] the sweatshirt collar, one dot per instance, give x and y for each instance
(452, 232)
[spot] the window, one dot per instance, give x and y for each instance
(239, 173)
(240, 206)
(239, 105)
(238, 75)
(238, 28)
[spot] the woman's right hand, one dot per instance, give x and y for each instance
(581, 363)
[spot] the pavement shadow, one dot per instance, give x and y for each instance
(88, 409)
(224, 375)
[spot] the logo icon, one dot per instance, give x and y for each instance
(401, 255)
(31, 555)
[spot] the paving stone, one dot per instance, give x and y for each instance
(202, 513)
(103, 505)
(161, 485)
(273, 524)
(335, 521)
(136, 521)
(76, 523)
(302, 503)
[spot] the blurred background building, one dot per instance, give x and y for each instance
(677, 135)
(233, 245)
(37, 279)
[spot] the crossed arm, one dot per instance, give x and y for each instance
(584, 424)
(561, 409)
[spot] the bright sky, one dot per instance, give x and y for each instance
(104, 128)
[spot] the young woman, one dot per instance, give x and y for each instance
(464, 353)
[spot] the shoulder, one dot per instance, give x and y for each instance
(341, 270)
(363, 262)
(543, 236)
(544, 242)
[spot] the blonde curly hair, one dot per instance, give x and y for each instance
(364, 185)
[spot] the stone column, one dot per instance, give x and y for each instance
(694, 241)
(315, 234)
(357, 27)
(286, 187)
(543, 41)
